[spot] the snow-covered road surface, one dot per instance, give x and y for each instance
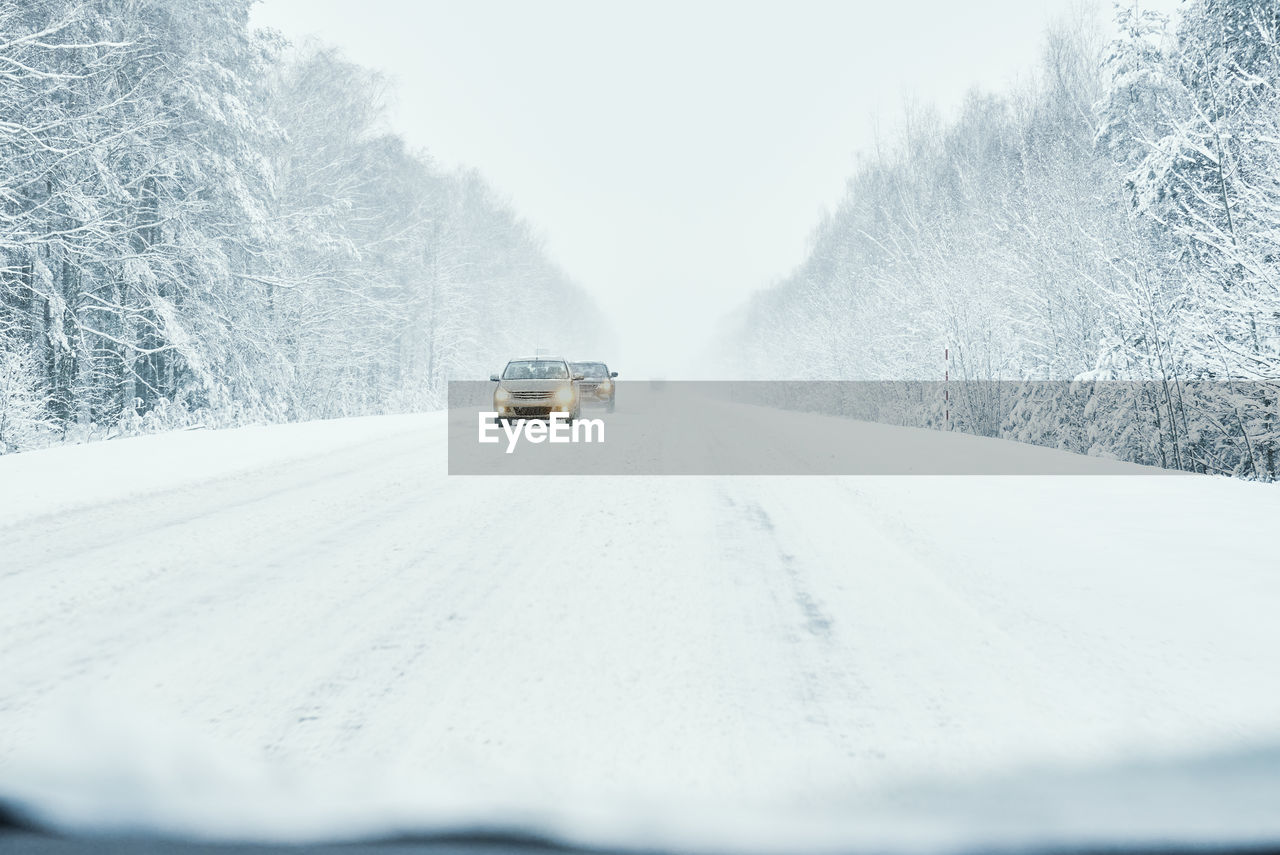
(753, 662)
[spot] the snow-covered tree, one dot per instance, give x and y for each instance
(1115, 221)
(24, 402)
(198, 223)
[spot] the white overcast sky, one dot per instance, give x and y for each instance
(675, 155)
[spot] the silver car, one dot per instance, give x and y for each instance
(535, 387)
(597, 387)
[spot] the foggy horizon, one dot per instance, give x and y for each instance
(669, 215)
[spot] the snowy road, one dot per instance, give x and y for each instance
(730, 646)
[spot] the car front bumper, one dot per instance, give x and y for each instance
(531, 412)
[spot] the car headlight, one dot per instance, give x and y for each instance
(501, 396)
(606, 386)
(564, 395)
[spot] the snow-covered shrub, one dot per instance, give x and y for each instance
(24, 418)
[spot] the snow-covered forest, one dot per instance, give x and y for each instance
(201, 224)
(1114, 218)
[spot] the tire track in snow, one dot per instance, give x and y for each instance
(131, 595)
(75, 533)
(816, 621)
(821, 682)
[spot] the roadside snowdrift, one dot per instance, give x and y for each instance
(37, 483)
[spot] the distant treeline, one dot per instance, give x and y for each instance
(1118, 218)
(199, 224)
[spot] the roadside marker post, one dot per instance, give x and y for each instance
(946, 386)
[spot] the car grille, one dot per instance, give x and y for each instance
(531, 396)
(589, 387)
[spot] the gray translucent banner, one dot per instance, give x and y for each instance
(878, 428)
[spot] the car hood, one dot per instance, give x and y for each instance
(532, 385)
(1224, 800)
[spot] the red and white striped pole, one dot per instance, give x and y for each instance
(946, 386)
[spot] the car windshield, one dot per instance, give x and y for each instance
(536, 369)
(591, 370)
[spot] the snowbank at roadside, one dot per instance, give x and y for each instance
(51, 480)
